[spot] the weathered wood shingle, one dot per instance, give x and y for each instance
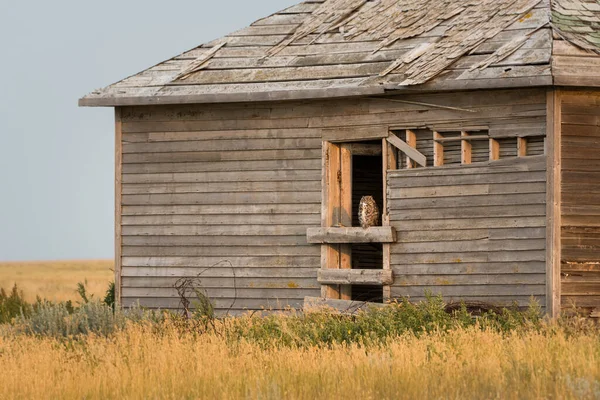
(578, 22)
(339, 48)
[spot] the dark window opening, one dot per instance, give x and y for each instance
(372, 294)
(367, 180)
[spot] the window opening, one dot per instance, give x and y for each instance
(367, 180)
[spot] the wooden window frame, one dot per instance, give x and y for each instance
(336, 234)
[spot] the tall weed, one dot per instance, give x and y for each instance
(13, 305)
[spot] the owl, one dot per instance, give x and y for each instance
(368, 212)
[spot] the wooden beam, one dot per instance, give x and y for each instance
(438, 150)
(466, 149)
(334, 183)
(355, 133)
(406, 149)
(343, 306)
(330, 253)
(522, 146)
(118, 202)
(469, 138)
(375, 277)
(385, 214)
(411, 140)
(346, 212)
(361, 149)
(553, 203)
(345, 186)
(374, 234)
(494, 150)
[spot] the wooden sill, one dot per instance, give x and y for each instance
(375, 277)
(375, 234)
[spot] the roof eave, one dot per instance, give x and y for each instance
(546, 80)
(93, 101)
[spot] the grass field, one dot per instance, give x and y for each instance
(401, 352)
(56, 280)
(146, 363)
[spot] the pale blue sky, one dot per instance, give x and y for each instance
(56, 160)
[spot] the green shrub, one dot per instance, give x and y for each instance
(13, 305)
(56, 320)
(93, 317)
(203, 306)
(109, 296)
(374, 325)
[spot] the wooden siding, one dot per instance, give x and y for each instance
(228, 191)
(581, 199)
(210, 193)
(573, 66)
(472, 232)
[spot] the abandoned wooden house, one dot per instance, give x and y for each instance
(473, 125)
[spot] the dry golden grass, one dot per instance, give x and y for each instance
(56, 280)
(140, 363)
(159, 361)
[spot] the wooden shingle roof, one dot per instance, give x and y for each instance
(578, 22)
(333, 48)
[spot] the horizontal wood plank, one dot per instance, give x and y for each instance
(382, 234)
(355, 277)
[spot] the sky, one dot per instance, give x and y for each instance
(56, 159)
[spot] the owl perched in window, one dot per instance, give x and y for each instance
(368, 212)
